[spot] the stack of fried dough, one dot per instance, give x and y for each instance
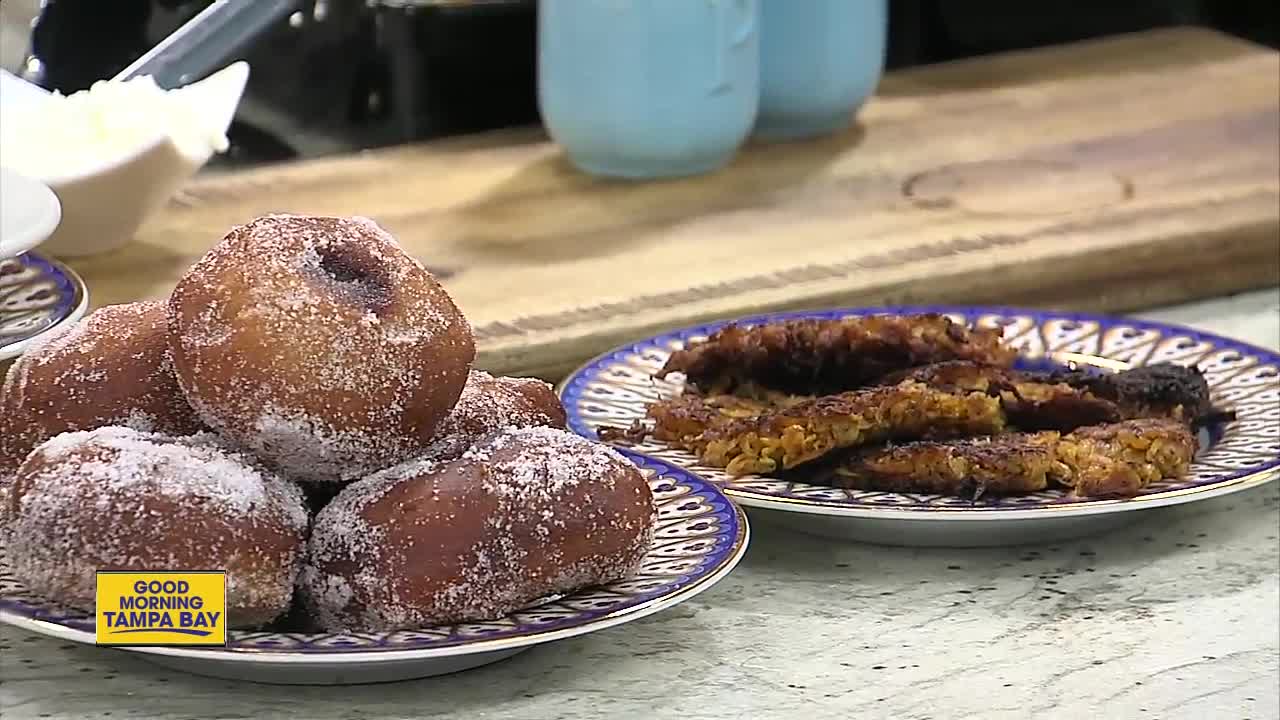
(923, 404)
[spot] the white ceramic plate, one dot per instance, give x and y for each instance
(701, 536)
(615, 389)
(29, 213)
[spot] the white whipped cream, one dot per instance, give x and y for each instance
(69, 134)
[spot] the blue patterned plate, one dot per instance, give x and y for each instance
(614, 389)
(701, 537)
(36, 295)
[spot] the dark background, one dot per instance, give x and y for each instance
(373, 73)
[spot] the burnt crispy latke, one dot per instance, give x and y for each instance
(1069, 399)
(690, 416)
(1120, 459)
(1003, 464)
(1160, 390)
(821, 357)
(1033, 401)
(1112, 460)
(680, 419)
(787, 437)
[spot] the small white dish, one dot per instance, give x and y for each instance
(104, 204)
(29, 213)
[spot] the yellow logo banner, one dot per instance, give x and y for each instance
(162, 608)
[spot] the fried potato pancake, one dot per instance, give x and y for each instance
(786, 437)
(822, 357)
(1112, 460)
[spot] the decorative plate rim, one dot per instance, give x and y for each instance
(78, 309)
(1267, 471)
(738, 536)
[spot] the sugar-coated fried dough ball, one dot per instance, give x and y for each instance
(525, 514)
(112, 367)
(318, 344)
(117, 499)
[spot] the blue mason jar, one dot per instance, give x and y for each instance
(819, 61)
(648, 88)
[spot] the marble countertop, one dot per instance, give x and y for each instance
(1177, 616)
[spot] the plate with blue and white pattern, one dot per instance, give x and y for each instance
(37, 295)
(615, 389)
(700, 537)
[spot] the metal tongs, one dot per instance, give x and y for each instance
(204, 42)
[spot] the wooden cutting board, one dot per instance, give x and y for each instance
(1108, 175)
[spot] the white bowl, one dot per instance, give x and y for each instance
(104, 205)
(29, 213)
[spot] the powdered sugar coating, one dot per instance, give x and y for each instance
(112, 367)
(489, 404)
(527, 513)
(318, 344)
(117, 499)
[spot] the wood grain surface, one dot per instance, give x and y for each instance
(1112, 175)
